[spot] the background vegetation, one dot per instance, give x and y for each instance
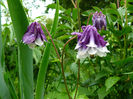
(110, 77)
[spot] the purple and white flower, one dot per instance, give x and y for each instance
(99, 20)
(90, 43)
(34, 35)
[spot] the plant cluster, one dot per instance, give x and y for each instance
(78, 55)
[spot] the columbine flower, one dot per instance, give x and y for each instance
(99, 20)
(34, 35)
(90, 43)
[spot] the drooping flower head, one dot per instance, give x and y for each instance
(90, 43)
(34, 35)
(99, 20)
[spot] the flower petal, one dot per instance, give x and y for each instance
(41, 33)
(78, 34)
(39, 42)
(99, 20)
(101, 51)
(92, 50)
(82, 53)
(83, 27)
(28, 38)
(92, 42)
(77, 46)
(101, 54)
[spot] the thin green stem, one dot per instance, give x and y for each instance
(60, 62)
(79, 24)
(78, 76)
(52, 43)
(126, 12)
(63, 66)
(125, 37)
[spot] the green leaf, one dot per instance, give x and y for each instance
(129, 1)
(100, 75)
(45, 59)
(82, 97)
(37, 55)
(25, 59)
(42, 73)
(87, 13)
(96, 8)
(128, 73)
(10, 85)
(121, 11)
(112, 11)
(1, 3)
(124, 62)
(130, 8)
(56, 95)
(113, 5)
(64, 27)
(74, 68)
(63, 37)
(55, 22)
(102, 92)
(53, 6)
(1, 45)
(4, 91)
(126, 30)
(75, 14)
(111, 81)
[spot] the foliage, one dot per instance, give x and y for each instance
(109, 77)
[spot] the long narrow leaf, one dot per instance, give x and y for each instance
(4, 91)
(45, 59)
(25, 60)
(42, 73)
(55, 23)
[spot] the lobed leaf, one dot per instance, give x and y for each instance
(111, 81)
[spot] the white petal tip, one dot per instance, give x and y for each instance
(39, 42)
(32, 45)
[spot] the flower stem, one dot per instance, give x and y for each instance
(118, 16)
(60, 61)
(79, 24)
(74, 4)
(125, 38)
(78, 76)
(89, 18)
(53, 43)
(63, 66)
(117, 3)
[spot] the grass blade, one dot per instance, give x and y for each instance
(4, 91)
(42, 73)
(55, 23)
(25, 60)
(45, 59)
